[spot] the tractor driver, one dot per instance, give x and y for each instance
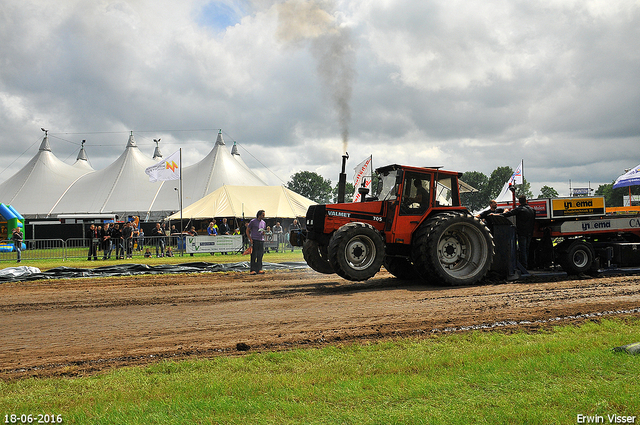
(421, 197)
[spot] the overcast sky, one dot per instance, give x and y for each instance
(468, 85)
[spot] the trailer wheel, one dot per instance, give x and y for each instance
(577, 258)
(356, 251)
(452, 249)
(316, 256)
(400, 267)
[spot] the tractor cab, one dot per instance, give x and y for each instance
(412, 194)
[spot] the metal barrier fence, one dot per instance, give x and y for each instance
(35, 249)
(58, 249)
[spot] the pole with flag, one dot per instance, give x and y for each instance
(362, 171)
(181, 227)
(506, 194)
(166, 170)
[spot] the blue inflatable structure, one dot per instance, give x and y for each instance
(14, 219)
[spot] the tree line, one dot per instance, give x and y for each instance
(315, 187)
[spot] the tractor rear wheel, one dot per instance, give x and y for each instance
(452, 249)
(400, 267)
(356, 251)
(316, 256)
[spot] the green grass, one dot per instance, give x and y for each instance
(46, 264)
(547, 377)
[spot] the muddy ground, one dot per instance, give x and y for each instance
(81, 326)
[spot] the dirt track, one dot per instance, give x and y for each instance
(78, 326)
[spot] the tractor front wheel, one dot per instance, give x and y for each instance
(356, 251)
(316, 256)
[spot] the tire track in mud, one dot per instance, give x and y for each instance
(81, 326)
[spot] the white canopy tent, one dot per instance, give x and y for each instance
(41, 182)
(246, 201)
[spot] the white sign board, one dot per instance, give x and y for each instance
(601, 225)
(223, 243)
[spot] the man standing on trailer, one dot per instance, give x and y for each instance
(486, 214)
(525, 219)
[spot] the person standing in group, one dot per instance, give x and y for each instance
(158, 234)
(127, 236)
(294, 226)
(224, 229)
(105, 235)
(211, 230)
(17, 237)
(92, 235)
(140, 239)
(486, 214)
(255, 234)
(243, 232)
(277, 235)
(525, 220)
(116, 238)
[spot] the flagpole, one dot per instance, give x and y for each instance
(181, 228)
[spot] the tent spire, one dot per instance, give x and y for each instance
(132, 142)
(157, 155)
(44, 146)
(234, 149)
(82, 155)
(219, 140)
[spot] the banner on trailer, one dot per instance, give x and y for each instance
(574, 207)
(222, 243)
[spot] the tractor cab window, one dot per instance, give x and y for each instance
(387, 186)
(447, 192)
(415, 193)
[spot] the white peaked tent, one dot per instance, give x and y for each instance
(218, 168)
(40, 183)
(122, 188)
(46, 187)
(246, 201)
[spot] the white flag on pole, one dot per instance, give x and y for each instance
(169, 169)
(362, 172)
(516, 178)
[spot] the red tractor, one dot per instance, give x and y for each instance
(415, 226)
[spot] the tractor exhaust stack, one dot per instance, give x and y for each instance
(342, 180)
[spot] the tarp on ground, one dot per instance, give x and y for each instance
(16, 274)
(246, 201)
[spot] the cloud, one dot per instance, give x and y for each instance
(470, 85)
